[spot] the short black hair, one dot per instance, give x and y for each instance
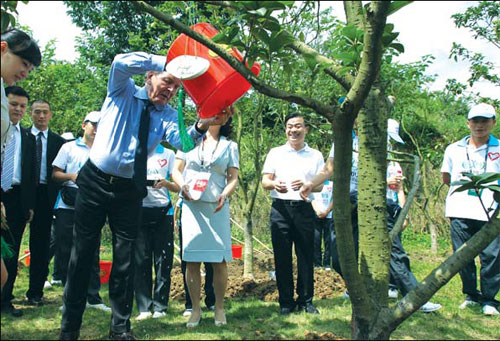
(227, 129)
(22, 45)
(40, 101)
(16, 90)
(293, 115)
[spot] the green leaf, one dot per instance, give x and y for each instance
(487, 178)
(310, 61)
(398, 47)
(261, 12)
(396, 6)
(262, 35)
(272, 24)
(464, 187)
(281, 39)
(495, 188)
(273, 5)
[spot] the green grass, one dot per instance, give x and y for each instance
(255, 319)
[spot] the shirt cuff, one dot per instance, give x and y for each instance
(158, 62)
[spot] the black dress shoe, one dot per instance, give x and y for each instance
(35, 301)
(9, 309)
(286, 311)
(69, 335)
(121, 336)
(308, 308)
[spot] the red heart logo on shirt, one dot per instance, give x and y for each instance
(493, 156)
(162, 162)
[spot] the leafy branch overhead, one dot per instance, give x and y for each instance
(478, 182)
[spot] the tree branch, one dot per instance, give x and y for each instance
(260, 86)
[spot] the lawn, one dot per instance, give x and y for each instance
(256, 319)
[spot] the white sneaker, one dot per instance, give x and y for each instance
(143, 316)
(468, 303)
(490, 310)
(328, 268)
(159, 314)
(55, 282)
(99, 306)
(345, 295)
(47, 285)
(430, 307)
(392, 293)
(187, 312)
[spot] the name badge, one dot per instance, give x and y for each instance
(200, 183)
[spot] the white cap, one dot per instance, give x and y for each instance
(482, 110)
(393, 130)
(68, 136)
(93, 117)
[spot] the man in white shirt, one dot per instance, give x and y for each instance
(286, 168)
(323, 205)
(18, 187)
(68, 162)
(477, 153)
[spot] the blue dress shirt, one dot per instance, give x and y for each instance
(116, 140)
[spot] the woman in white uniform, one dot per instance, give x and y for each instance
(207, 175)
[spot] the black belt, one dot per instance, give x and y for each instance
(12, 189)
(291, 202)
(111, 179)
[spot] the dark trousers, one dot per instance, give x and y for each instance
(39, 243)
(322, 232)
(461, 231)
(292, 223)
(121, 202)
(13, 236)
(355, 235)
(62, 240)
(209, 280)
(400, 273)
(154, 244)
(56, 272)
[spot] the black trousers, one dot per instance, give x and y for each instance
(13, 236)
(209, 280)
(119, 200)
(154, 245)
(292, 223)
(322, 233)
(39, 243)
(61, 244)
(400, 273)
(461, 231)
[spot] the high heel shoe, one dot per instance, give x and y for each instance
(193, 324)
(222, 322)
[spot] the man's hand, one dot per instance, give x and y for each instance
(395, 181)
(306, 190)
(4, 218)
(160, 183)
(296, 184)
(280, 186)
(321, 214)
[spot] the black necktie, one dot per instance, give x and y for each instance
(38, 157)
(141, 152)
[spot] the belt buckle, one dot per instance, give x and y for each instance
(112, 179)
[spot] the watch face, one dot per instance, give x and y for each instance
(187, 67)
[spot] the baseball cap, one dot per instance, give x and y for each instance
(393, 130)
(93, 117)
(482, 110)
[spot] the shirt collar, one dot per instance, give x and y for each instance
(35, 131)
(492, 142)
(79, 142)
(290, 149)
(142, 94)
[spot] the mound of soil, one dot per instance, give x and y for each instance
(327, 284)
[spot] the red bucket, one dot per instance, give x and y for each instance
(237, 250)
(27, 259)
(105, 267)
(220, 85)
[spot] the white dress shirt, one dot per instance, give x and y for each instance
(43, 167)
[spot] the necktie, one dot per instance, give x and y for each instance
(8, 164)
(38, 165)
(141, 152)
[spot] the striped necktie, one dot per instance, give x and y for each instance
(8, 164)
(38, 165)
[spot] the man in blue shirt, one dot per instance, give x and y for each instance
(112, 183)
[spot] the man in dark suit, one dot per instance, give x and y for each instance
(18, 190)
(47, 145)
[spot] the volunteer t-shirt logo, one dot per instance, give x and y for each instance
(493, 156)
(162, 162)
